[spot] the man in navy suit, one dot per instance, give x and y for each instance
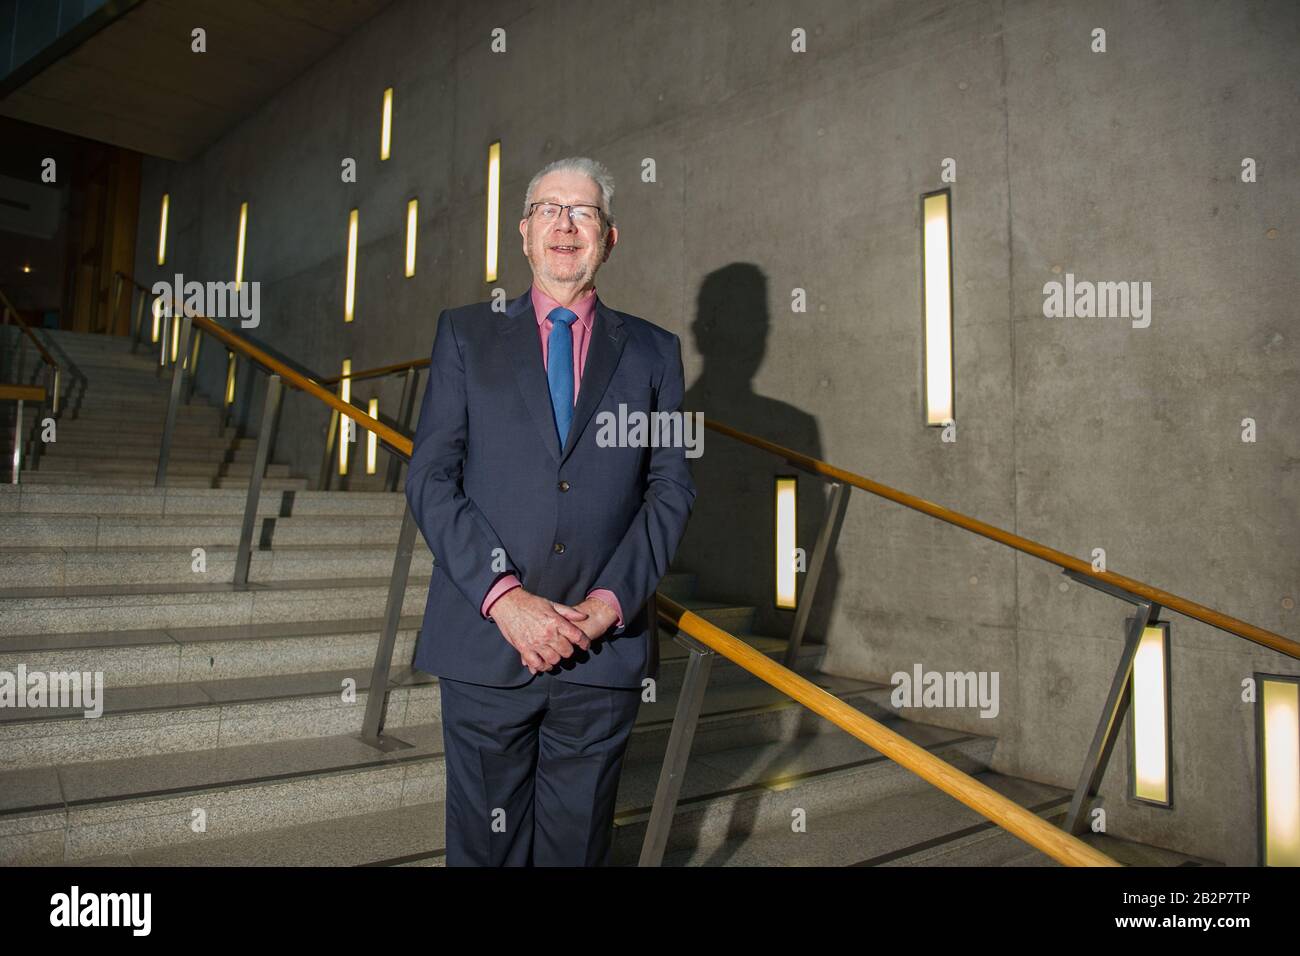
(548, 539)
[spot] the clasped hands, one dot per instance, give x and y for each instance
(544, 631)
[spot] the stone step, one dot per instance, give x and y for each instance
(145, 499)
(111, 427)
(143, 468)
(53, 610)
(148, 658)
(70, 436)
(890, 829)
(141, 411)
(99, 566)
(189, 531)
(88, 810)
(206, 715)
(208, 711)
(82, 479)
(203, 449)
(984, 845)
(134, 658)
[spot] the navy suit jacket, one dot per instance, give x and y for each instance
(493, 492)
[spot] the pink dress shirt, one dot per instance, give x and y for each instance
(585, 308)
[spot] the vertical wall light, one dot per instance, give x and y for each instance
(1277, 743)
(412, 215)
(786, 491)
(345, 395)
(230, 377)
(239, 252)
(1150, 696)
(157, 311)
(936, 285)
(493, 210)
(372, 440)
(350, 293)
(386, 133)
(176, 334)
(162, 230)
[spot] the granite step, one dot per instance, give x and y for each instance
(146, 499)
(88, 480)
(73, 812)
(53, 610)
(192, 530)
(206, 710)
(74, 566)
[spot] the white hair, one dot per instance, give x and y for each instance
(578, 164)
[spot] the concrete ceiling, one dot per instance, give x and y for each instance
(135, 82)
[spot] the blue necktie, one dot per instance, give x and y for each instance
(559, 369)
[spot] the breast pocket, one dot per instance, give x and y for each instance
(635, 397)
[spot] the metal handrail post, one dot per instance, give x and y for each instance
(194, 367)
(1118, 701)
(229, 406)
(173, 399)
(117, 301)
(325, 473)
(689, 702)
(270, 408)
(164, 336)
(372, 727)
(139, 319)
(405, 409)
(826, 538)
(18, 440)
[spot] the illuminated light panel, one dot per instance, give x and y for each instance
(345, 394)
(786, 489)
(372, 440)
(1151, 716)
(239, 251)
(937, 285)
(162, 230)
(386, 133)
(350, 293)
(1279, 758)
(493, 211)
(412, 216)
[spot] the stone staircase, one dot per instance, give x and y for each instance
(228, 736)
(110, 428)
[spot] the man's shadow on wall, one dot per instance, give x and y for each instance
(729, 541)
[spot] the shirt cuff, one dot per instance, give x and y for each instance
(505, 583)
(606, 595)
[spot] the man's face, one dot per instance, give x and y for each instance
(561, 252)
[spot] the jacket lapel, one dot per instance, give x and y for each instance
(607, 340)
(519, 336)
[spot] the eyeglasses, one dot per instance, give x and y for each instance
(579, 214)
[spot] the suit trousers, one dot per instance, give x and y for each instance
(532, 771)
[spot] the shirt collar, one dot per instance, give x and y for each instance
(585, 308)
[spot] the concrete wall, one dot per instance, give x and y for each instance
(777, 171)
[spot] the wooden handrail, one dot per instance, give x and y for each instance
(1015, 819)
(391, 437)
(131, 279)
(380, 370)
(21, 393)
(1207, 615)
(9, 309)
(1199, 612)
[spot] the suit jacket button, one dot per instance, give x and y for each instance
(564, 486)
(559, 547)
